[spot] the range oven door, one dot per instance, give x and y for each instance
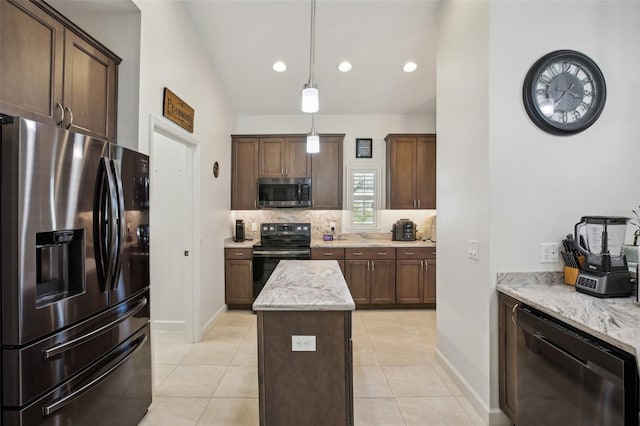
(265, 262)
(566, 377)
(48, 265)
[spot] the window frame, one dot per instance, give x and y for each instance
(377, 196)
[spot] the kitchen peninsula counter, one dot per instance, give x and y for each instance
(614, 320)
(305, 361)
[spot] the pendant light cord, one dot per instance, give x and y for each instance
(312, 42)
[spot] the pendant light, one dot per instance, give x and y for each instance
(310, 94)
(313, 140)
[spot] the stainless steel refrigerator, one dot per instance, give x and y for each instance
(74, 250)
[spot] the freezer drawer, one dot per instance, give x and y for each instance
(35, 369)
(116, 390)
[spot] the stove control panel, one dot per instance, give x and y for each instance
(285, 229)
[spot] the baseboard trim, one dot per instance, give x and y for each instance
(162, 325)
(491, 417)
(207, 325)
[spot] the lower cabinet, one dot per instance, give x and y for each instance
(508, 346)
(370, 275)
(415, 275)
(329, 254)
(238, 274)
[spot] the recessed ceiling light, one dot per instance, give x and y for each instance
(410, 67)
(344, 66)
(279, 66)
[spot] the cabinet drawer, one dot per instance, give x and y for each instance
(415, 253)
(327, 253)
(370, 253)
(239, 253)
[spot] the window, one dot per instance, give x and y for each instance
(364, 198)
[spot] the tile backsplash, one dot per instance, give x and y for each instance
(319, 219)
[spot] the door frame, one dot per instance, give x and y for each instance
(191, 286)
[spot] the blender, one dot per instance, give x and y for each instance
(604, 272)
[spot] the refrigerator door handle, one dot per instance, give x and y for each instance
(113, 227)
(119, 220)
(101, 224)
(49, 409)
(56, 350)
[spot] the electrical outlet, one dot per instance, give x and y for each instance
(549, 252)
(332, 225)
(474, 250)
(303, 343)
(254, 226)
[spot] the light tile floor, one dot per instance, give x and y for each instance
(397, 380)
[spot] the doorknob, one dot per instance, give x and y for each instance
(186, 252)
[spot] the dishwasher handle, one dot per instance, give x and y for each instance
(587, 350)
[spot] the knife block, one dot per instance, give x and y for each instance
(570, 275)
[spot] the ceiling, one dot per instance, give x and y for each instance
(245, 37)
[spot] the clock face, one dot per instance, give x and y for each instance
(564, 92)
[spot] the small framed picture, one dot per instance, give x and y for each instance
(364, 148)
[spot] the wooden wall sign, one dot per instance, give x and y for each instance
(177, 110)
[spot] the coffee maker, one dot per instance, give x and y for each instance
(604, 272)
(240, 236)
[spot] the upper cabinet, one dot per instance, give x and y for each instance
(326, 176)
(284, 157)
(411, 171)
(54, 73)
(259, 156)
(244, 172)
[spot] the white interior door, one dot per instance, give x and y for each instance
(173, 226)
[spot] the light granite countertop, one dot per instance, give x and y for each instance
(305, 285)
(346, 241)
(614, 320)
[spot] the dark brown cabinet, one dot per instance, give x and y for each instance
(507, 335)
(329, 254)
(416, 275)
(370, 275)
(238, 274)
(411, 171)
(284, 157)
(244, 172)
(54, 73)
(326, 176)
(274, 156)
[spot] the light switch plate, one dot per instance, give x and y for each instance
(303, 343)
(254, 226)
(474, 250)
(549, 252)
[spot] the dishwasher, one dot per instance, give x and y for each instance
(566, 377)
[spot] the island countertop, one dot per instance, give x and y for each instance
(305, 285)
(614, 320)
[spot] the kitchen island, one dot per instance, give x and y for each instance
(304, 345)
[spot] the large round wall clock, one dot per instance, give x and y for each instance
(564, 92)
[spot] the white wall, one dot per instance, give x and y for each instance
(538, 185)
(171, 56)
(99, 20)
(463, 192)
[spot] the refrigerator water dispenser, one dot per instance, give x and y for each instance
(59, 265)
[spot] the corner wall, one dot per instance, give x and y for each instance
(172, 56)
(463, 194)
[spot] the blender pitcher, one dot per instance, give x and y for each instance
(600, 239)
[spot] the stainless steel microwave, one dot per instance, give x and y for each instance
(284, 193)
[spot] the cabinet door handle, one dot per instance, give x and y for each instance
(357, 253)
(59, 105)
(513, 314)
(409, 253)
(368, 264)
(327, 254)
(382, 253)
(422, 265)
(426, 265)
(286, 172)
(67, 109)
(251, 266)
(239, 254)
(373, 266)
(418, 203)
